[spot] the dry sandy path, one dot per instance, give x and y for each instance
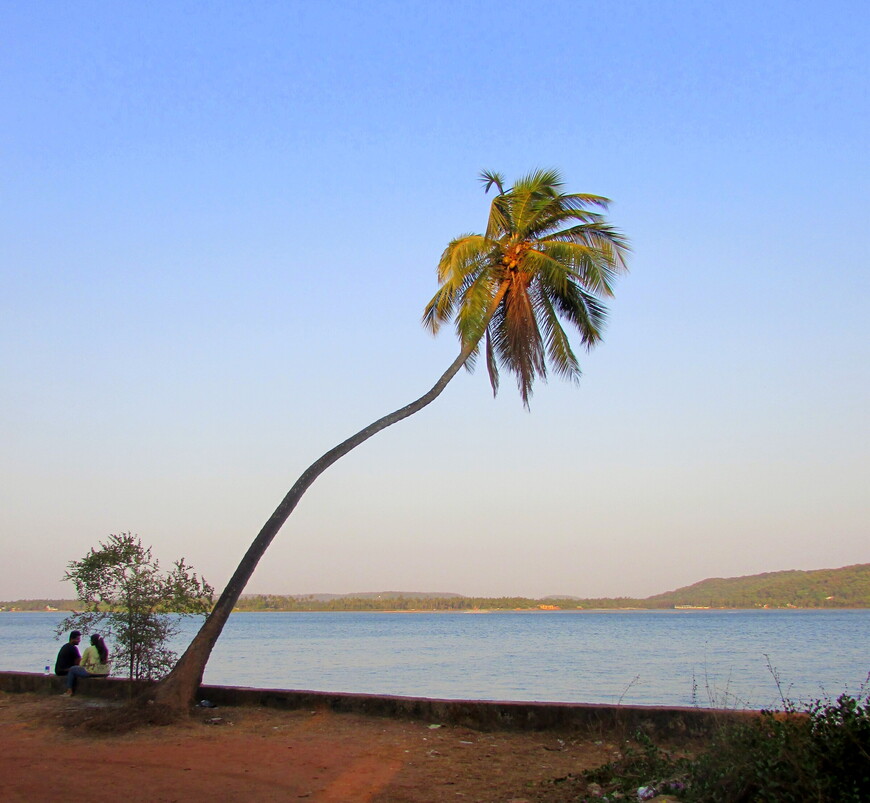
(246, 754)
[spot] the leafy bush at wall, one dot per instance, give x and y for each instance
(818, 753)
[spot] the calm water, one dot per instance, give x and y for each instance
(636, 657)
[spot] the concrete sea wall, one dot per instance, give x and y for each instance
(481, 715)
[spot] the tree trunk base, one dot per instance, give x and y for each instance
(172, 696)
(177, 691)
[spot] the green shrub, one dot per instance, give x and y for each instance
(767, 759)
(819, 753)
(841, 738)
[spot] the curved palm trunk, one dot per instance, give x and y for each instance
(178, 689)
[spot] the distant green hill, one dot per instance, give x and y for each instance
(848, 587)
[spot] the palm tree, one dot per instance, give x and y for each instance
(545, 256)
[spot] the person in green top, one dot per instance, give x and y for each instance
(96, 657)
(94, 664)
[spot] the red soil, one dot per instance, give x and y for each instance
(246, 754)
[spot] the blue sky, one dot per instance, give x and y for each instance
(220, 224)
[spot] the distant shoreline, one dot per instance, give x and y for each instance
(846, 588)
(565, 610)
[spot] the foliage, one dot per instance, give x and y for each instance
(400, 602)
(820, 753)
(848, 587)
(129, 599)
(824, 588)
(546, 256)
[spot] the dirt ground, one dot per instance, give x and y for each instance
(248, 754)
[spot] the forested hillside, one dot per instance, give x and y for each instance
(848, 587)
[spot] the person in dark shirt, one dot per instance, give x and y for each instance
(68, 656)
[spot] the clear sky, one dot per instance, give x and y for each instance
(219, 224)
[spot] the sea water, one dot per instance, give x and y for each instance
(750, 659)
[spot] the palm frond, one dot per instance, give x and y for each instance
(528, 196)
(519, 345)
(595, 267)
(500, 222)
(559, 352)
(462, 256)
(491, 363)
(560, 225)
(596, 233)
(538, 181)
(488, 178)
(471, 318)
(439, 309)
(547, 268)
(582, 309)
(582, 200)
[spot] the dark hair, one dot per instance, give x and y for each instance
(97, 641)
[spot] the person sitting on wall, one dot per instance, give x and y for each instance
(94, 664)
(68, 656)
(96, 657)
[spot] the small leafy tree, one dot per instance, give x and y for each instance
(129, 599)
